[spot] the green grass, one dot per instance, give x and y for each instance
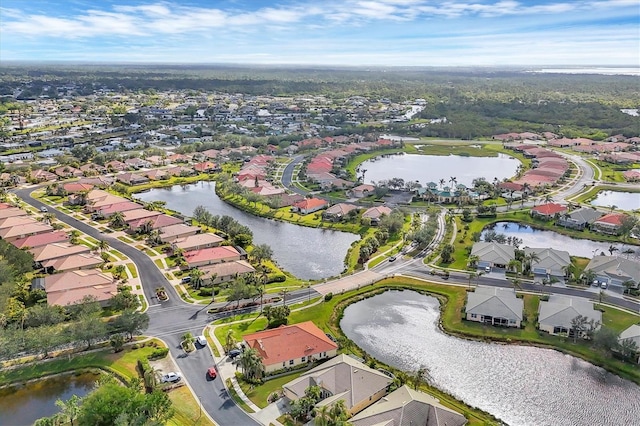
(236, 398)
(259, 395)
(117, 254)
(159, 263)
(125, 239)
(189, 411)
(132, 270)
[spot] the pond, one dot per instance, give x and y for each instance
(307, 253)
(628, 201)
(521, 385)
(23, 405)
(432, 168)
(532, 237)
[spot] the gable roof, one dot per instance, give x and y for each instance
(345, 378)
(70, 287)
(633, 333)
(211, 253)
(614, 219)
(376, 212)
(560, 310)
(549, 258)
(132, 215)
(289, 342)
(585, 215)
(615, 267)
(175, 231)
(41, 239)
(74, 261)
(10, 222)
(12, 212)
(495, 301)
(310, 203)
(56, 250)
(493, 252)
(226, 269)
(157, 222)
(340, 209)
(407, 407)
(198, 240)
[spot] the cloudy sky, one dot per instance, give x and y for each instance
(328, 32)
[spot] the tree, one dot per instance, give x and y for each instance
(73, 236)
(446, 253)
(103, 245)
(117, 220)
(605, 339)
(131, 322)
(261, 252)
(528, 261)
(229, 341)
(187, 342)
(276, 315)
(89, 329)
(251, 363)
(628, 349)
(124, 300)
(70, 408)
(588, 276)
(421, 376)
(117, 342)
(196, 278)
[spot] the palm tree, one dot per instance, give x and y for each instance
(588, 277)
(612, 207)
(196, 278)
(548, 198)
(473, 260)
(515, 265)
(421, 377)
(453, 181)
(187, 342)
(251, 364)
(119, 270)
(103, 245)
(611, 249)
(471, 276)
(529, 260)
(284, 293)
(117, 220)
(442, 182)
(73, 236)
(229, 341)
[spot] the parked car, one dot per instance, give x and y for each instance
(172, 377)
(202, 341)
(487, 269)
(212, 373)
(603, 285)
(234, 353)
(392, 259)
(186, 280)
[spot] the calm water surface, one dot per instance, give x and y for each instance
(308, 253)
(628, 201)
(432, 168)
(532, 237)
(23, 405)
(523, 386)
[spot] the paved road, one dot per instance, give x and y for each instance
(169, 320)
(287, 175)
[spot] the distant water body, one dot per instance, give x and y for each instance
(603, 71)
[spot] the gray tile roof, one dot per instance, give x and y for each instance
(632, 333)
(549, 258)
(615, 267)
(560, 310)
(493, 252)
(496, 302)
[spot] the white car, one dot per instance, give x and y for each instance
(172, 377)
(202, 341)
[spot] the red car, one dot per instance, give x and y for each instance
(211, 372)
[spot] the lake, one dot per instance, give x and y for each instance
(532, 237)
(628, 201)
(432, 168)
(521, 385)
(23, 405)
(307, 253)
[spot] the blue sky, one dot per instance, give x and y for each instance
(325, 32)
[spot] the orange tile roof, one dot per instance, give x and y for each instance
(211, 253)
(612, 218)
(289, 342)
(310, 203)
(549, 209)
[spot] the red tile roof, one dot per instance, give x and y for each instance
(310, 203)
(38, 240)
(549, 209)
(211, 253)
(74, 187)
(612, 218)
(289, 342)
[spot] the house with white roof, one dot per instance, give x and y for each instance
(493, 254)
(494, 306)
(555, 315)
(550, 262)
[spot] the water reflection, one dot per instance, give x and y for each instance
(628, 201)
(432, 168)
(521, 385)
(23, 405)
(307, 253)
(532, 237)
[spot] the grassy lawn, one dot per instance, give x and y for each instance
(236, 398)
(259, 394)
(117, 255)
(189, 412)
(125, 239)
(132, 270)
(159, 263)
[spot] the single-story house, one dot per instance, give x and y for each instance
(156, 174)
(141, 213)
(632, 333)
(361, 191)
(155, 222)
(555, 315)
(548, 211)
(10, 222)
(171, 233)
(609, 223)
(342, 378)
(116, 166)
(309, 205)
(74, 261)
(132, 178)
(212, 255)
(70, 287)
(21, 231)
(12, 212)
(76, 187)
(615, 270)
(493, 254)
(56, 250)
(550, 261)
(41, 240)
(106, 211)
(225, 272)
(291, 345)
(197, 242)
(376, 213)
(43, 176)
(407, 407)
(579, 219)
(338, 211)
(494, 306)
(206, 167)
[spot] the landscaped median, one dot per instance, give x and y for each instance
(327, 315)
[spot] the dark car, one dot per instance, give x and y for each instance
(212, 373)
(234, 353)
(392, 259)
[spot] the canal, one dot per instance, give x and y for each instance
(521, 385)
(307, 253)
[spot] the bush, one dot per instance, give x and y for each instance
(206, 291)
(278, 278)
(158, 353)
(328, 297)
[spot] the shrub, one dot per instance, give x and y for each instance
(206, 291)
(328, 297)
(158, 353)
(274, 397)
(278, 278)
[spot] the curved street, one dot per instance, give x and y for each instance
(170, 319)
